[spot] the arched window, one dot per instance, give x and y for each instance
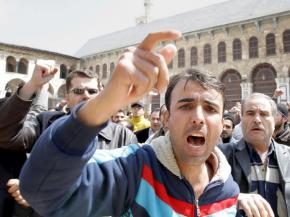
(253, 47)
(10, 64)
(98, 70)
(104, 70)
(237, 49)
(263, 78)
(112, 67)
(233, 91)
(13, 85)
(181, 58)
(63, 71)
(207, 54)
(286, 41)
(61, 91)
(22, 66)
(222, 57)
(270, 44)
(193, 56)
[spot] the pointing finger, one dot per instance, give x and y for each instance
(151, 39)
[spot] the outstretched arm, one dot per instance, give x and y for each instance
(69, 185)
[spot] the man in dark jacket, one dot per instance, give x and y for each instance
(13, 155)
(19, 131)
(22, 132)
(259, 165)
(282, 131)
(155, 124)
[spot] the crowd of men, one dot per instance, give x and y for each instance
(88, 157)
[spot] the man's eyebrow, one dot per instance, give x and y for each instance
(186, 100)
(208, 101)
(211, 102)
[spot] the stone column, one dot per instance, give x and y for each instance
(2, 73)
(283, 84)
(246, 87)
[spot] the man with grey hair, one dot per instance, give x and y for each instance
(259, 165)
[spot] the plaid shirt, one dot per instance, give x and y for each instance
(265, 180)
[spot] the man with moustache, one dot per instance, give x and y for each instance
(260, 166)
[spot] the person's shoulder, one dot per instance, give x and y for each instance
(230, 148)
(52, 114)
(230, 145)
(48, 117)
(282, 147)
(113, 128)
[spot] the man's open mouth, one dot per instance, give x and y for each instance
(196, 140)
(257, 129)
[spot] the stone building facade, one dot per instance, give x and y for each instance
(245, 44)
(17, 64)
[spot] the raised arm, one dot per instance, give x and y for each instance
(70, 181)
(138, 71)
(14, 133)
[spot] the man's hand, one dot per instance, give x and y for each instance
(277, 93)
(137, 72)
(41, 75)
(255, 205)
(139, 69)
(13, 189)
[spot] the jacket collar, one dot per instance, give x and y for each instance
(164, 152)
(243, 157)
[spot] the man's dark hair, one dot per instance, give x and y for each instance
(121, 110)
(155, 110)
(79, 74)
(231, 118)
(8, 94)
(205, 80)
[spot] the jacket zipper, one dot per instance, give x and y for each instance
(196, 211)
(197, 208)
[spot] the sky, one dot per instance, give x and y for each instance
(64, 26)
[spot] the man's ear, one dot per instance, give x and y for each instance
(284, 119)
(166, 117)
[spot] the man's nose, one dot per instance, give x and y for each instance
(198, 116)
(257, 118)
(86, 95)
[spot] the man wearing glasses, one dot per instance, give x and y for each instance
(19, 130)
(81, 85)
